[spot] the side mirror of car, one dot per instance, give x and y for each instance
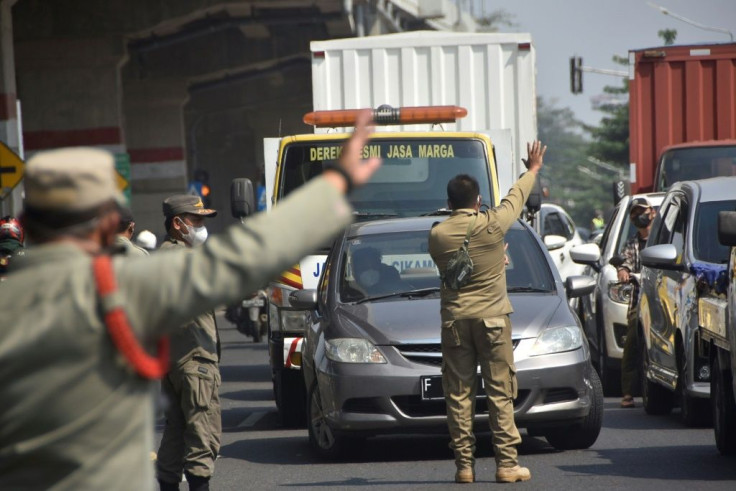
(304, 299)
(554, 242)
(588, 254)
(242, 198)
(579, 286)
(662, 256)
(727, 228)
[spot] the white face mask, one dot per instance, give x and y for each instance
(368, 278)
(194, 236)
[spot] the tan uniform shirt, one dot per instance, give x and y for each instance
(485, 295)
(130, 248)
(73, 415)
(197, 337)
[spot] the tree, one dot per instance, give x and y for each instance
(611, 137)
(567, 149)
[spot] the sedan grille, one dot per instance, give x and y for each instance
(428, 354)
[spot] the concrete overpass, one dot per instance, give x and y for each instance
(171, 86)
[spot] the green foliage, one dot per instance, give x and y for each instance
(668, 36)
(567, 149)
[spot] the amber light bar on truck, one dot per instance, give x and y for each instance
(386, 115)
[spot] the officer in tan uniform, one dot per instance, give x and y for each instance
(75, 414)
(126, 229)
(475, 321)
(191, 439)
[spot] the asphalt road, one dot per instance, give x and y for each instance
(633, 451)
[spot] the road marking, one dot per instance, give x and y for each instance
(252, 419)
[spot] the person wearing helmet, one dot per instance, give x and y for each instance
(11, 242)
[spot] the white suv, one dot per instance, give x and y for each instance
(603, 313)
(555, 224)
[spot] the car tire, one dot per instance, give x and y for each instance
(694, 411)
(656, 399)
(724, 409)
(584, 434)
(323, 439)
(291, 400)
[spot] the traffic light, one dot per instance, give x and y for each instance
(576, 75)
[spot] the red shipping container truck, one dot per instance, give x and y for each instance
(682, 114)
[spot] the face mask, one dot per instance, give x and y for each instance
(368, 278)
(642, 221)
(194, 236)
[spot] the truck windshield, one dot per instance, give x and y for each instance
(705, 246)
(689, 164)
(412, 180)
(395, 265)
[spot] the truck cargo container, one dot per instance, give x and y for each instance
(681, 95)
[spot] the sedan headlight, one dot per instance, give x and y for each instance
(557, 340)
(620, 292)
(294, 320)
(353, 350)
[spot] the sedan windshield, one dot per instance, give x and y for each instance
(398, 265)
(705, 245)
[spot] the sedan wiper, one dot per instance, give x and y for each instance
(527, 289)
(418, 293)
(437, 212)
(374, 214)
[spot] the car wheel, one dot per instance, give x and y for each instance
(582, 435)
(322, 437)
(694, 411)
(290, 397)
(655, 398)
(724, 409)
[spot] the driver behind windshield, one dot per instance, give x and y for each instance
(371, 275)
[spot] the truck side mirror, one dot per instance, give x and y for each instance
(242, 198)
(727, 228)
(534, 201)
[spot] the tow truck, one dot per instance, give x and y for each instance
(411, 182)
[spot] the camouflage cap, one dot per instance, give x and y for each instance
(71, 180)
(186, 203)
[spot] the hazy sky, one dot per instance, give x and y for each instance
(596, 30)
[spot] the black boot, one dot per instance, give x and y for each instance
(197, 483)
(168, 486)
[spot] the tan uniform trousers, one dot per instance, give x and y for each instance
(466, 344)
(191, 439)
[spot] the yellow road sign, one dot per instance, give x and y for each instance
(11, 169)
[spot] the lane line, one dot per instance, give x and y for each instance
(252, 419)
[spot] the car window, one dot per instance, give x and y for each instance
(553, 225)
(705, 245)
(669, 218)
(607, 230)
(568, 226)
(400, 262)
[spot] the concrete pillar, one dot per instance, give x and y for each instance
(154, 133)
(9, 133)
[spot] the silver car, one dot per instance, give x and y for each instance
(682, 261)
(372, 355)
(603, 312)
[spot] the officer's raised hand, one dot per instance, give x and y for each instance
(535, 156)
(351, 169)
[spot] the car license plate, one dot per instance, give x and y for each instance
(253, 302)
(431, 386)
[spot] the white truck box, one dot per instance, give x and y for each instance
(492, 75)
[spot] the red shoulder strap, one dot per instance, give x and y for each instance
(118, 327)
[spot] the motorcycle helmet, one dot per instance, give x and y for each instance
(10, 229)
